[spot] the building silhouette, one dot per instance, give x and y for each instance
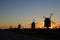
(33, 25)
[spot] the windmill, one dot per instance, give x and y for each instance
(33, 24)
(47, 21)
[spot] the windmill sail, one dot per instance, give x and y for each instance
(50, 15)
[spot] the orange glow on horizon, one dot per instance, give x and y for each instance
(40, 25)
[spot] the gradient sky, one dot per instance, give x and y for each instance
(13, 12)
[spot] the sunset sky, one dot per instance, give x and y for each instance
(14, 12)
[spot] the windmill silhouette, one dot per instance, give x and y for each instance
(47, 21)
(19, 26)
(33, 24)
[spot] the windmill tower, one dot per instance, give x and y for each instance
(33, 24)
(47, 21)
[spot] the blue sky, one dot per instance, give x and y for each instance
(23, 11)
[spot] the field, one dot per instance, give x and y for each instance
(30, 34)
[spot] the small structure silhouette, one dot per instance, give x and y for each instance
(33, 25)
(19, 26)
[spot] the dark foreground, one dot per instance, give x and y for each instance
(30, 34)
